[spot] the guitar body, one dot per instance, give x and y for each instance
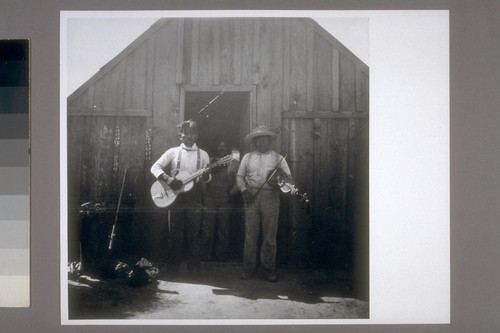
(163, 195)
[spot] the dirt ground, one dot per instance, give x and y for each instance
(218, 293)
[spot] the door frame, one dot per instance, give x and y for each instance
(251, 89)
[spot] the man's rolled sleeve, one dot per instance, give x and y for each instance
(161, 164)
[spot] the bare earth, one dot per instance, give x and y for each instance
(218, 293)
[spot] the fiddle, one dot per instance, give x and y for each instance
(287, 187)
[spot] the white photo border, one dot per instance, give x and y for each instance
(409, 165)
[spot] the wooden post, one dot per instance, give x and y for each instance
(194, 52)
(180, 51)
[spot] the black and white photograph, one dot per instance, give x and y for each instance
(219, 167)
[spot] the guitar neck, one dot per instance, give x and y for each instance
(199, 173)
(196, 174)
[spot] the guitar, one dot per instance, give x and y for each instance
(163, 195)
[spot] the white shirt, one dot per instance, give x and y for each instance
(167, 163)
(255, 167)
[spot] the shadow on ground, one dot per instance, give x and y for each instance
(218, 293)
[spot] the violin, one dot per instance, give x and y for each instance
(287, 187)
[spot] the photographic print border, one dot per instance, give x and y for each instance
(398, 85)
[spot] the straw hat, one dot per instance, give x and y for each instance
(261, 130)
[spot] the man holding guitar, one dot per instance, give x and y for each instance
(173, 170)
(257, 183)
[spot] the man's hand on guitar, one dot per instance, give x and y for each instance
(247, 197)
(176, 184)
(163, 177)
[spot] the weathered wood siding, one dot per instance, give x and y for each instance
(100, 148)
(302, 81)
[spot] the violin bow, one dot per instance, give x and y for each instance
(270, 176)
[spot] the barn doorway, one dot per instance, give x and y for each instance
(226, 118)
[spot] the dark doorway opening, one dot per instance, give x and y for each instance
(226, 118)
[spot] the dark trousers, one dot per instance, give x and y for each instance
(184, 235)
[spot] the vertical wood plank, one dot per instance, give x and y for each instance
(150, 74)
(340, 226)
(99, 95)
(121, 68)
(317, 150)
(116, 102)
(347, 85)
(293, 146)
(246, 50)
(286, 64)
(139, 79)
(216, 53)
(128, 63)
(109, 86)
(322, 83)
(195, 35)
(276, 41)
(182, 104)
(90, 98)
(310, 66)
(303, 162)
(134, 79)
(75, 161)
(253, 108)
(298, 65)
(256, 51)
(335, 80)
(265, 85)
(227, 68)
(237, 51)
(130, 81)
(85, 178)
(186, 76)
(286, 137)
(205, 52)
(361, 91)
(180, 50)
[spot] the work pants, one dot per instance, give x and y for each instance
(185, 229)
(261, 214)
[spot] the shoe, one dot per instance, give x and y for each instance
(271, 277)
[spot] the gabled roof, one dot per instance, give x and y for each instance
(337, 44)
(118, 58)
(164, 21)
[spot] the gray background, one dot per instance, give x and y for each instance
(475, 159)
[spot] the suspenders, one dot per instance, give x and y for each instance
(179, 155)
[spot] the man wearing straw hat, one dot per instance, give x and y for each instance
(256, 181)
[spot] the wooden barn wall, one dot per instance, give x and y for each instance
(125, 118)
(168, 59)
(103, 153)
(100, 148)
(304, 84)
(325, 106)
